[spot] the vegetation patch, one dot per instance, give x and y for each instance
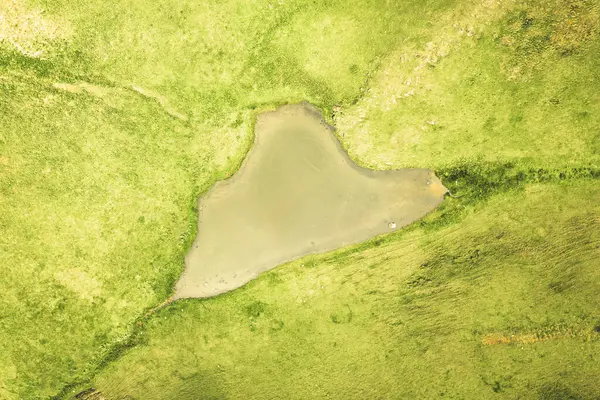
(441, 294)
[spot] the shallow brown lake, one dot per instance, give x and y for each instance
(297, 193)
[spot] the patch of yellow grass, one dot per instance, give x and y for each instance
(8, 371)
(229, 140)
(28, 30)
(405, 74)
(82, 87)
(80, 282)
(496, 338)
(576, 23)
(569, 24)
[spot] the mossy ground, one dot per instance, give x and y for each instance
(115, 117)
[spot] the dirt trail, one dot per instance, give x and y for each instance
(297, 193)
(102, 91)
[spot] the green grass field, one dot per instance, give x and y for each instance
(417, 316)
(114, 118)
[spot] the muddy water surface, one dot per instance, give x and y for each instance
(297, 193)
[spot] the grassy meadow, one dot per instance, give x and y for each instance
(115, 117)
(503, 303)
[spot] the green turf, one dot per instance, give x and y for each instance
(115, 116)
(519, 85)
(405, 319)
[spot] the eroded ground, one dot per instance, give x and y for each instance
(297, 193)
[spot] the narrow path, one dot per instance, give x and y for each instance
(101, 91)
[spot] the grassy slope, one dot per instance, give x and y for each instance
(415, 317)
(98, 181)
(497, 85)
(81, 209)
